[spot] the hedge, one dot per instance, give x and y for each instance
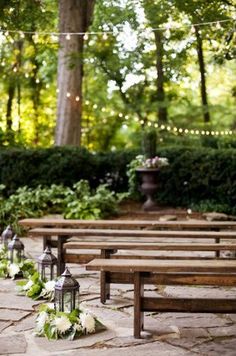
(194, 174)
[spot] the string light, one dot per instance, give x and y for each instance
(168, 127)
(77, 98)
(68, 95)
(54, 35)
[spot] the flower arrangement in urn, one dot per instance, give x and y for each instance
(155, 162)
(148, 169)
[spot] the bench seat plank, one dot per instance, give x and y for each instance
(149, 246)
(38, 232)
(111, 265)
(178, 224)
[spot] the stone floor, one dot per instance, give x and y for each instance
(165, 334)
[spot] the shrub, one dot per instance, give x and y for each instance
(79, 202)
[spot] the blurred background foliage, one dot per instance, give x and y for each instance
(120, 97)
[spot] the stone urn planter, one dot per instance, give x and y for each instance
(149, 186)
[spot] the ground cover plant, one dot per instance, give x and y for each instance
(78, 202)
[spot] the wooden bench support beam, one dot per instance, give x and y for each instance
(188, 305)
(181, 279)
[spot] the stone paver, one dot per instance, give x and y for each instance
(11, 314)
(165, 334)
(12, 344)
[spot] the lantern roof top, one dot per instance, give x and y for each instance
(66, 282)
(16, 244)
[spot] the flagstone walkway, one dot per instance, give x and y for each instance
(166, 334)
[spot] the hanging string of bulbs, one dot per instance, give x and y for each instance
(169, 128)
(54, 35)
(168, 27)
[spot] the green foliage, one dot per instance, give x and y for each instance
(205, 206)
(24, 268)
(35, 288)
(79, 202)
(84, 204)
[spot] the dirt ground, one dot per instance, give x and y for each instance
(132, 210)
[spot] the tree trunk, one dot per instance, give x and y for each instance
(74, 16)
(206, 114)
(162, 110)
(11, 93)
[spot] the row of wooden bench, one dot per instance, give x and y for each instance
(110, 238)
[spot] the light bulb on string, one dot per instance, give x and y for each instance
(36, 37)
(105, 36)
(120, 114)
(22, 35)
(86, 37)
(68, 95)
(68, 37)
(53, 37)
(186, 131)
(163, 127)
(156, 125)
(218, 25)
(77, 98)
(149, 124)
(86, 102)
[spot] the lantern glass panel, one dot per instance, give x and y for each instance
(47, 272)
(68, 302)
(58, 300)
(15, 256)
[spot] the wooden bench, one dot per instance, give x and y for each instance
(63, 234)
(174, 272)
(109, 249)
(30, 223)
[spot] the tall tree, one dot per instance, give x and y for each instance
(157, 14)
(198, 12)
(75, 16)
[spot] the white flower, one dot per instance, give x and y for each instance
(41, 320)
(28, 285)
(49, 286)
(79, 327)
(87, 322)
(62, 323)
(13, 269)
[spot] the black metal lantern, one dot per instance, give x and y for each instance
(47, 264)
(6, 236)
(15, 250)
(66, 293)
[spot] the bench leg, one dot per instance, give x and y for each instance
(105, 287)
(60, 260)
(217, 241)
(138, 313)
(46, 242)
(104, 284)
